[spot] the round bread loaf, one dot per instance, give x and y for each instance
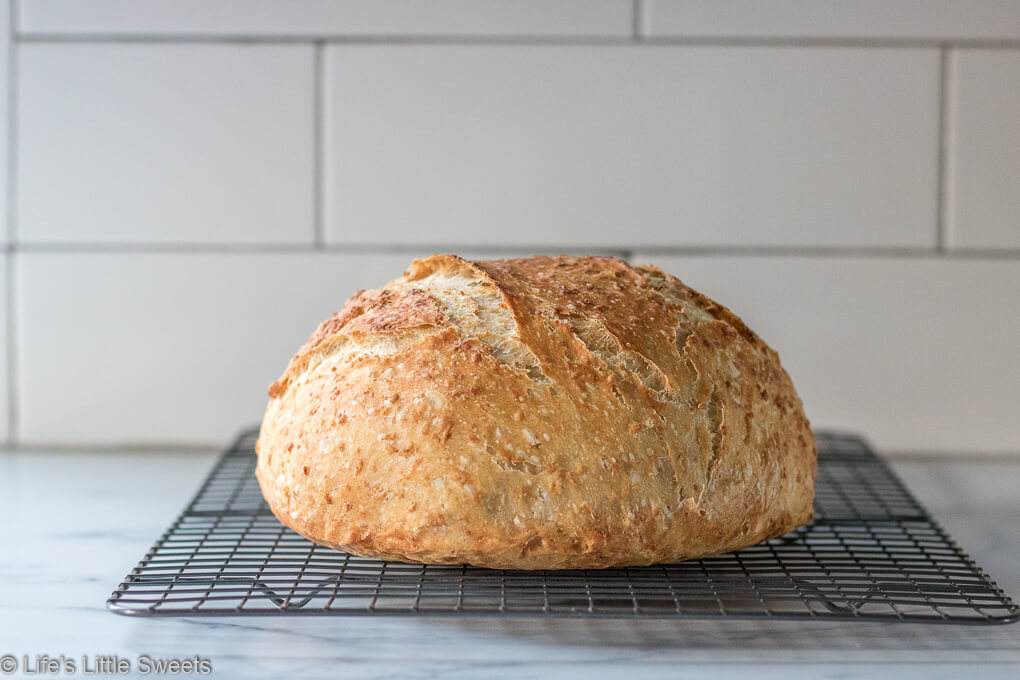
(539, 413)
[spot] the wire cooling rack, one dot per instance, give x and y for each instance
(872, 553)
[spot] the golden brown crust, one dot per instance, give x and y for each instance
(536, 413)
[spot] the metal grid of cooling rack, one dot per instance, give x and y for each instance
(872, 553)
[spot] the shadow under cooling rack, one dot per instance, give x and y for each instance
(872, 553)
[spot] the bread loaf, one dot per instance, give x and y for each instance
(539, 413)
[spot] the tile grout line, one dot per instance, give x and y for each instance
(369, 248)
(639, 14)
(524, 40)
(10, 256)
(944, 149)
(318, 152)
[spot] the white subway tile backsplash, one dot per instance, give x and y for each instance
(984, 150)
(5, 259)
(318, 18)
(915, 353)
(169, 347)
(168, 143)
(152, 347)
(5, 376)
(631, 146)
(5, 35)
(880, 19)
(178, 166)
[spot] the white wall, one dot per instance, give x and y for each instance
(191, 186)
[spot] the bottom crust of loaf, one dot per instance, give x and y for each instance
(621, 545)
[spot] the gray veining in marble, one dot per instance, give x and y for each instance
(74, 524)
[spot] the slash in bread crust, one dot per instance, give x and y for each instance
(539, 413)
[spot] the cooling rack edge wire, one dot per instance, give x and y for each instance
(872, 554)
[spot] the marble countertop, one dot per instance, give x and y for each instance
(75, 523)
